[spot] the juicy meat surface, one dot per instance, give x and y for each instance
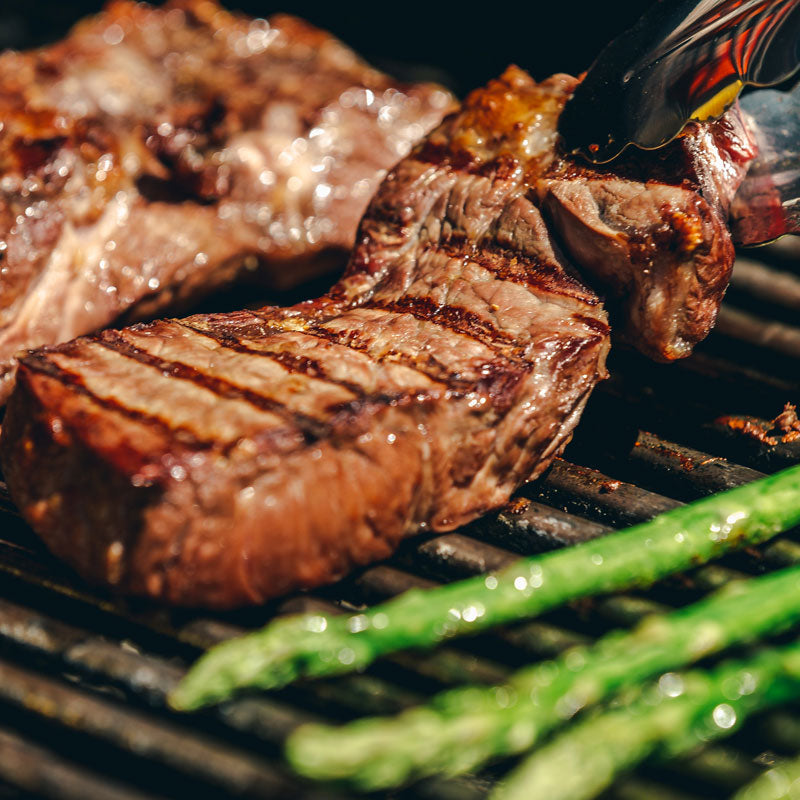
(156, 153)
(244, 455)
(650, 229)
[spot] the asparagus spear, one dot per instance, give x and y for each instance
(317, 644)
(669, 718)
(782, 782)
(464, 728)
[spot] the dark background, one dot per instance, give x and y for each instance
(462, 44)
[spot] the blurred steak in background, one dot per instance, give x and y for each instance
(156, 153)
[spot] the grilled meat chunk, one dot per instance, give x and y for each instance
(650, 229)
(248, 454)
(155, 153)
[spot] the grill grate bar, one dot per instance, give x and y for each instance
(590, 493)
(777, 336)
(681, 472)
(714, 772)
(214, 763)
(41, 771)
(525, 526)
(758, 281)
(639, 788)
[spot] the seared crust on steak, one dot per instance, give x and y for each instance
(155, 153)
(258, 452)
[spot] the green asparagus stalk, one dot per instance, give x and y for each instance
(663, 720)
(463, 728)
(318, 644)
(782, 782)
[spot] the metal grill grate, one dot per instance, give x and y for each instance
(83, 677)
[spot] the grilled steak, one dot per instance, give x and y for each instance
(248, 454)
(155, 153)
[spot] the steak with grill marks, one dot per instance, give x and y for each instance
(244, 455)
(156, 153)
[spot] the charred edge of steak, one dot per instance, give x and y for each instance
(56, 478)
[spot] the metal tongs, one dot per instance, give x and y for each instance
(688, 60)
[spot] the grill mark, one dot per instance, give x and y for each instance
(342, 413)
(453, 318)
(449, 381)
(498, 380)
(310, 428)
(447, 155)
(507, 265)
(390, 220)
(298, 365)
(344, 416)
(44, 366)
(593, 323)
(500, 386)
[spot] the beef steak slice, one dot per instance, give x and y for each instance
(224, 459)
(157, 153)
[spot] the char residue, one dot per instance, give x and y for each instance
(784, 428)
